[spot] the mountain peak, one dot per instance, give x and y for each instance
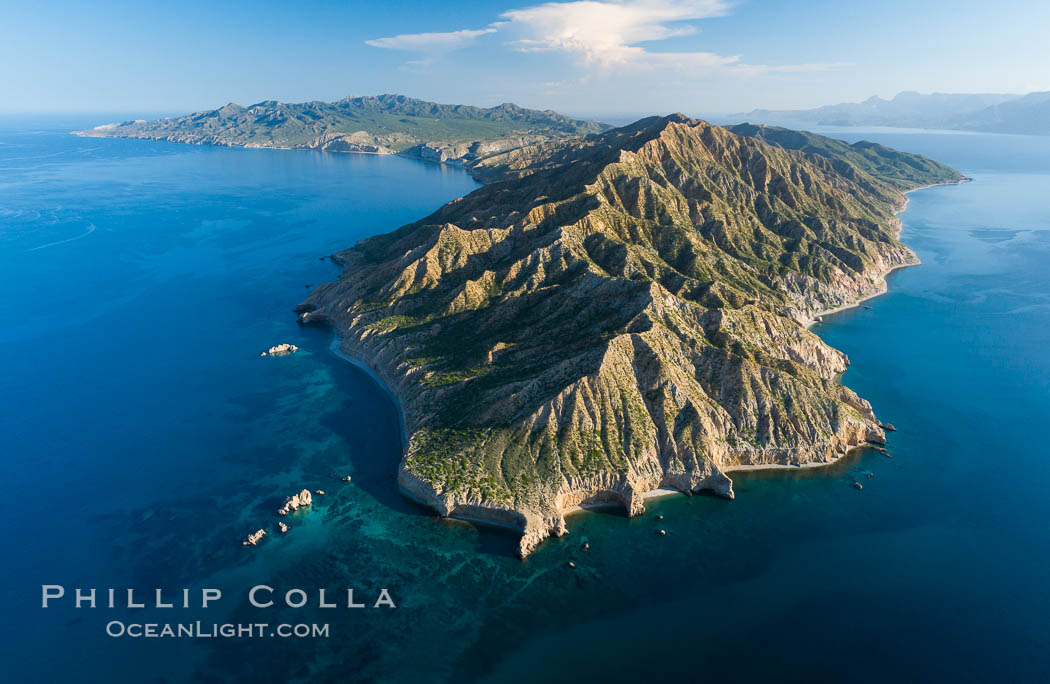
(621, 313)
(908, 96)
(385, 124)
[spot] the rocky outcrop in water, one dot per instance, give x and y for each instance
(282, 350)
(623, 313)
(254, 538)
(294, 503)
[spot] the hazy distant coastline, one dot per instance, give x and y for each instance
(986, 113)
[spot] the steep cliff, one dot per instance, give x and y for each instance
(621, 313)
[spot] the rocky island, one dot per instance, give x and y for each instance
(625, 312)
(383, 124)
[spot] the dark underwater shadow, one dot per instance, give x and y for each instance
(367, 417)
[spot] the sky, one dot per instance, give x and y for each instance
(582, 57)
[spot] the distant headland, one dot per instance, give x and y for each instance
(383, 124)
(988, 112)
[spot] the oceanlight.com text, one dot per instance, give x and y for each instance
(199, 630)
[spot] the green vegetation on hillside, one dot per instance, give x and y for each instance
(625, 311)
(384, 123)
(901, 169)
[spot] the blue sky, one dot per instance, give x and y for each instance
(586, 57)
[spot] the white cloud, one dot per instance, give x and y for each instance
(601, 33)
(607, 33)
(430, 43)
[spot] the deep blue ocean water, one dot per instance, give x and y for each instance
(143, 437)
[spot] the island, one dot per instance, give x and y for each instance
(625, 312)
(383, 124)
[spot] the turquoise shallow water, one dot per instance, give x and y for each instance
(143, 437)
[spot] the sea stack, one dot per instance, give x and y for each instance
(254, 538)
(282, 350)
(293, 503)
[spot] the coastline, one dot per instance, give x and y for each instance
(879, 290)
(456, 162)
(884, 286)
(799, 466)
(335, 348)
(882, 289)
(657, 493)
(662, 492)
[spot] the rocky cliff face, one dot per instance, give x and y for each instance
(618, 314)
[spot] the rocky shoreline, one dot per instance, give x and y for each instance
(460, 154)
(534, 531)
(582, 496)
(362, 333)
(883, 283)
(383, 124)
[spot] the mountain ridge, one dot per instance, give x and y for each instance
(380, 124)
(624, 312)
(983, 112)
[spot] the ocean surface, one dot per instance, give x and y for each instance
(144, 437)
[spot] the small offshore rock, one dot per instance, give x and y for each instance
(662, 533)
(262, 354)
(282, 527)
(283, 350)
(857, 485)
(888, 427)
(254, 538)
(585, 546)
(660, 517)
(572, 565)
(319, 492)
(346, 479)
(292, 503)
(871, 474)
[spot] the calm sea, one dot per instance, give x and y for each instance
(144, 437)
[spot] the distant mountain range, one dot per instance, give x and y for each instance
(383, 124)
(991, 112)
